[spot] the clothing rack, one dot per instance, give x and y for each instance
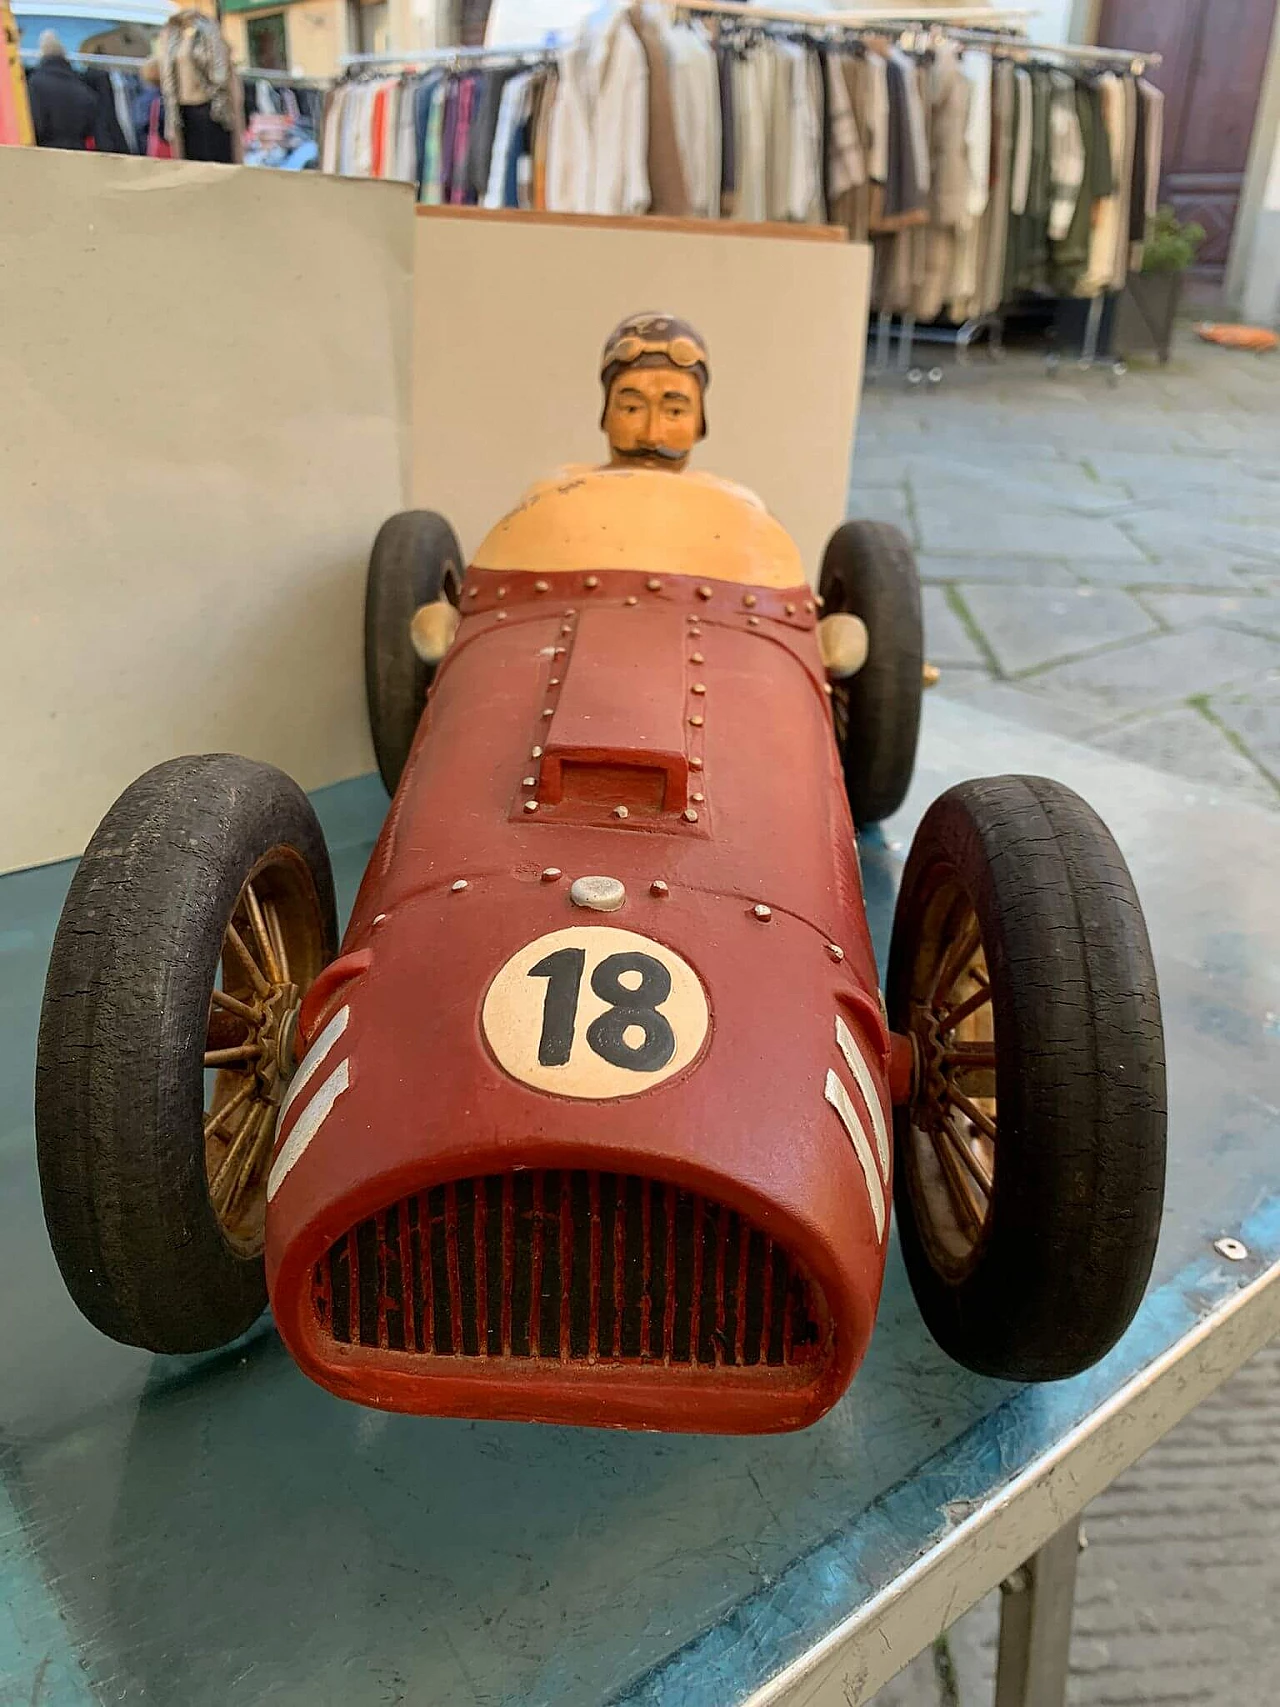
(108, 61)
(116, 62)
(414, 58)
(1119, 57)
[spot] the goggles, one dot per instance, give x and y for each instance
(680, 351)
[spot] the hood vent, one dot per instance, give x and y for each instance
(569, 1267)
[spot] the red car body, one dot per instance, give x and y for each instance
(707, 1253)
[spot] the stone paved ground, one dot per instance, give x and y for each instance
(1105, 565)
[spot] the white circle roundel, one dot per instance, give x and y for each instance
(595, 1012)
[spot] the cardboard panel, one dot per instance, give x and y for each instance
(203, 407)
(510, 314)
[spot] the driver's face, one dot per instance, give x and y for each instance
(653, 417)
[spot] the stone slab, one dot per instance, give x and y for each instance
(1027, 627)
(1187, 743)
(1255, 721)
(1023, 571)
(1016, 704)
(1160, 671)
(986, 528)
(1256, 612)
(947, 641)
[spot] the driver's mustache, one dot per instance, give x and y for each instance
(662, 451)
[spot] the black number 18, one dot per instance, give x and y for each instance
(606, 1035)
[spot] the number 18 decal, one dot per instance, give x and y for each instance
(595, 1012)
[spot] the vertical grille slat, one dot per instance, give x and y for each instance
(535, 1272)
(619, 1258)
(508, 1260)
(573, 1267)
(594, 1281)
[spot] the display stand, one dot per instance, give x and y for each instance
(211, 1529)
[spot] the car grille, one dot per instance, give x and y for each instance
(571, 1267)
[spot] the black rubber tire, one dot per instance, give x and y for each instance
(416, 558)
(1078, 1189)
(119, 1070)
(869, 569)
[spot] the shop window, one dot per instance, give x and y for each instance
(268, 42)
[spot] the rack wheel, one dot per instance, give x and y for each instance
(416, 559)
(1030, 1158)
(1052, 364)
(199, 915)
(914, 375)
(935, 376)
(869, 569)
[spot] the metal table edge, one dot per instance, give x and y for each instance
(1223, 1314)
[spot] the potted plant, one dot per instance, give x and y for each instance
(1152, 295)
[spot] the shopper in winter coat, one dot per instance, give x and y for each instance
(63, 107)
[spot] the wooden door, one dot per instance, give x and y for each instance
(1215, 54)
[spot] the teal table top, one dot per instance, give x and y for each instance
(206, 1531)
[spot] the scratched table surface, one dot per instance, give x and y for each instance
(214, 1530)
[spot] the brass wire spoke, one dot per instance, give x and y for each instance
(270, 965)
(233, 1102)
(251, 1117)
(976, 1166)
(250, 964)
(959, 1187)
(252, 1164)
(232, 1057)
(964, 1056)
(968, 1107)
(970, 1005)
(233, 1005)
(272, 914)
(955, 960)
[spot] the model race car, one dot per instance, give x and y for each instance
(597, 1114)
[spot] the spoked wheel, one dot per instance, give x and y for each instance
(952, 1133)
(201, 911)
(1030, 1157)
(273, 948)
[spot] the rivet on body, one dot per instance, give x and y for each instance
(761, 912)
(459, 886)
(689, 815)
(531, 805)
(835, 951)
(621, 812)
(551, 874)
(658, 887)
